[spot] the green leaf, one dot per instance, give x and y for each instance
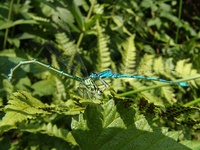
(21, 106)
(155, 22)
(18, 22)
(164, 38)
(194, 145)
(111, 127)
(77, 14)
(44, 87)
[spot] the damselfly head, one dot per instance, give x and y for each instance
(93, 75)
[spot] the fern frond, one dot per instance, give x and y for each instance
(185, 69)
(129, 56)
(146, 64)
(21, 106)
(60, 93)
(168, 94)
(51, 130)
(152, 98)
(157, 96)
(174, 111)
(65, 44)
(104, 60)
(128, 62)
(162, 66)
(38, 18)
(74, 63)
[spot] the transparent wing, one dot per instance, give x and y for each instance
(68, 55)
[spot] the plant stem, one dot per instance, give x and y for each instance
(192, 102)
(7, 29)
(179, 16)
(87, 18)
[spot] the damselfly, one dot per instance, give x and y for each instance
(87, 83)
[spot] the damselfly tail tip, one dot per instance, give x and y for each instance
(183, 84)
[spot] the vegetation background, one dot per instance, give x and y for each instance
(42, 110)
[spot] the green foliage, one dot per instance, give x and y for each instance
(105, 126)
(104, 60)
(136, 37)
(20, 107)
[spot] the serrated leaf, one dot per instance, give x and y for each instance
(194, 145)
(129, 55)
(103, 51)
(167, 92)
(21, 106)
(111, 127)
